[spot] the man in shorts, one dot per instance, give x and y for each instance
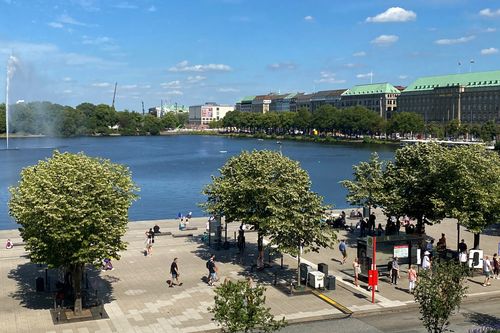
(343, 250)
(212, 271)
(174, 270)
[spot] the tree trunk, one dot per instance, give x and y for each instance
(298, 268)
(76, 275)
(420, 228)
(476, 240)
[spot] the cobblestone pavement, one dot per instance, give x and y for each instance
(137, 298)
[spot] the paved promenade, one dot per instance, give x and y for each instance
(137, 298)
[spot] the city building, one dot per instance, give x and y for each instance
(468, 97)
(326, 97)
(204, 114)
(245, 104)
(379, 97)
(163, 109)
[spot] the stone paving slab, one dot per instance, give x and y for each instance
(137, 298)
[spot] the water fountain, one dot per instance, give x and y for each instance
(11, 67)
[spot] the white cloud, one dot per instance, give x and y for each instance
(282, 66)
(152, 9)
(393, 14)
(490, 30)
(171, 85)
(196, 78)
(328, 77)
(55, 25)
(359, 54)
(67, 79)
(489, 51)
(227, 90)
(101, 84)
(128, 86)
(67, 91)
(364, 75)
(403, 77)
(308, 18)
(175, 92)
(383, 40)
(66, 19)
(184, 66)
(487, 12)
(453, 41)
(96, 41)
(125, 5)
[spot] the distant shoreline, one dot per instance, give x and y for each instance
(297, 138)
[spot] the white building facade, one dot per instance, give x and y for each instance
(204, 114)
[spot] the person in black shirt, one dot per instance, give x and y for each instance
(174, 270)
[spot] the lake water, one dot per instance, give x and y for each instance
(172, 170)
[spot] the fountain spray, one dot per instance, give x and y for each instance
(11, 67)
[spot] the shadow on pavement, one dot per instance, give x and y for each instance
(483, 320)
(96, 287)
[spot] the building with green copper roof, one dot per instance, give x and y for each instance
(468, 97)
(378, 97)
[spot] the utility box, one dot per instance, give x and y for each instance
(316, 279)
(323, 268)
(304, 271)
(330, 282)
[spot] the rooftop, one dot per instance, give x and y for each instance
(374, 88)
(477, 79)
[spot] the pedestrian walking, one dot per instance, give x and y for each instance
(174, 271)
(343, 251)
(149, 242)
(212, 271)
(426, 261)
(394, 271)
(357, 270)
(412, 278)
(486, 271)
(496, 266)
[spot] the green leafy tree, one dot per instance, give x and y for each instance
(410, 184)
(152, 124)
(406, 123)
(367, 188)
(439, 293)
(2, 118)
(73, 210)
(488, 131)
(272, 193)
(469, 186)
(239, 307)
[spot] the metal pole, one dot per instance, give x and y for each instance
(374, 266)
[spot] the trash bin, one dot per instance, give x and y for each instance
(323, 268)
(39, 283)
(316, 279)
(366, 211)
(304, 272)
(330, 282)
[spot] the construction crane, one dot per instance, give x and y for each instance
(114, 96)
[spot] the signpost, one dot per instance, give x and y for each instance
(373, 273)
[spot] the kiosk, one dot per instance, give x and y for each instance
(402, 246)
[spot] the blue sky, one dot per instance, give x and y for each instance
(193, 51)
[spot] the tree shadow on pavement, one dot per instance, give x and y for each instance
(483, 319)
(271, 273)
(96, 287)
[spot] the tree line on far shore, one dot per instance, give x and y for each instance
(351, 122)
(45, 118)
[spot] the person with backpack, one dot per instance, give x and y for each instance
(212, 271)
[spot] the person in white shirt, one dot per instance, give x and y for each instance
(426, 261)
(487, 271)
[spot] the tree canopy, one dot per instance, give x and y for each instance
(73, 210)
(439, 293)
(272, 193)
(240, 307)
